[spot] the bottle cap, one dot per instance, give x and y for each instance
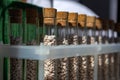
(49, 12)
(105, 24)
(73, 19)
(49, 15)
(98, 23)
(90, 21)
(62, 18)
(31, 15)
(31, 12)
(15, 12)
(62, 15)
(111, 24)
(81, 20)
(15, 15)
(117, 27)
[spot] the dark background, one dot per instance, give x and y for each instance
(101, 7)
(118, 11)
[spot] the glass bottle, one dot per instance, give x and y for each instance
(49, 33)
(98, 35)
(105, 56)
(73, 28)
(82, 29)
(116, 31)
(31, 66)
(105, 31)
(90, 24)
(62, 28)
(16, 29)
(31, 26)
(62, 39)
(49, 27)
(73, 40)
(110, 31)
(82, 60)
(98, 32)
(117, 56)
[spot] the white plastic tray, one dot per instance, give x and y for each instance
(52, 52)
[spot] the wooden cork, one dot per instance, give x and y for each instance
(90, 21)
(31, 15)
(31, 12)
(62, 15)
(62, 18)
(111, 24)
(105, 24)
(81, 20)
(15, 15)
(117, 27)
(73, 19)
(49, 13)
(98, 23)
(15, 12)
(31, 20)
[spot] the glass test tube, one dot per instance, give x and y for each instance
(73, 40)
(73, 28)
(110, 31)
(105, 31)
(99, 41)
(116, 31)
(31, 26)
(31, 66)
(90, 23)
(62, 39)
(49, 33)
(16, 65)
(62, 28)
(98, 31)
(106, 60)
(111, 55)
(82, 60)
(82, 29)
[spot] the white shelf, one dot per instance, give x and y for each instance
(48, 52)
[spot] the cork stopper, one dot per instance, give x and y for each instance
(81, 20)
(98, 23)
(15, 12)
(31, 12)
(105, 24)
(15, 15)
(90, 21)
(117, 27)
(31, 15)
(72, 19)
(31, 20)
(62, 18)
(62, 15)
(49, 13)
(40, 19)
(111, 24)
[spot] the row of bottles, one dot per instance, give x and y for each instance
(65, 28)
(52, 28)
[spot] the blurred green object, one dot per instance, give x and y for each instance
(16, 30)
